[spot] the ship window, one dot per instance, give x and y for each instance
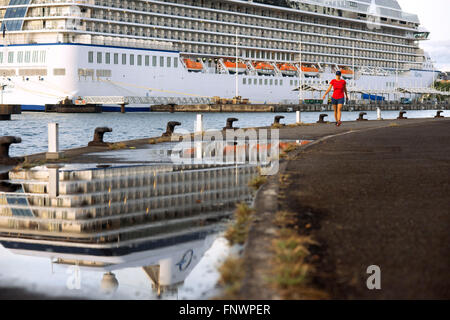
(276, 82)
(124, 58)
(10, 57)
(154, 60)
(42, 57)
(271, 82)
(260, 82)
(161, 62)
(139, 60)
(266, 82)
(175, 63)
(281, 82)
(1, 57)
(17, 200)
(90, 56)
(132, 59)
(27, 56)
(147, 61)
(14, 12)
(116, 58)
(169, 62)
(99, 57)
(108, 58)
(244, 81)
(20, 57)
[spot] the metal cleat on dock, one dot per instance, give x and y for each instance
(277, 120)
(171, 128)
(322, 118)
(98, 137)
(230, 122)
(439, 114)
(402, 115)
(5, 143)
(361, 116)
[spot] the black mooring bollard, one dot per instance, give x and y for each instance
(5, 143)
(439, 114)
(98, 137)
(401, 115)
(361, 116)
(322, 118)
(277, 120)
(171, 128)
(230, 122)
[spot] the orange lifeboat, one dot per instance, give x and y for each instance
(264, 68)
(347, 73)
(231, 67)
(310, 71)
(193, 66)
(287, 70)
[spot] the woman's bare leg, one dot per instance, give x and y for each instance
(339, 113)
(335, 107)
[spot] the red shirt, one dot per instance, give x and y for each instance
(338, 87)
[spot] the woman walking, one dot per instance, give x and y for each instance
(340, 94)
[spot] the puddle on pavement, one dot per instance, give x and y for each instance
(118, 232)
(121, 231)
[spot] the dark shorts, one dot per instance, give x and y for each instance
(335, 102)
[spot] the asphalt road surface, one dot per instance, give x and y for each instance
(379, 197)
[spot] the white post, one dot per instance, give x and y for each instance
(53, 142)
(199, 150)
(53, 181)
(199, 137)
(379, 114)
(298, 117)
(199, 124)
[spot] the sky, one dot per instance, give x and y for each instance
(434, 16)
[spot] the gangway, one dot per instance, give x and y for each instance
(136, 100)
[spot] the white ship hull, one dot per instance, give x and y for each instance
(64, 72)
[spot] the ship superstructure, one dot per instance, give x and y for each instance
(116, 215)
(189, 48)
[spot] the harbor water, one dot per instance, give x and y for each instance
(76, 130)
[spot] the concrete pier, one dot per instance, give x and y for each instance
(71, 108)
(6, 110)
(214, 108)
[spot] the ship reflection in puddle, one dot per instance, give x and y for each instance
(159, 218)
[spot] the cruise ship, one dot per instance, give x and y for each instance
(141, 52)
